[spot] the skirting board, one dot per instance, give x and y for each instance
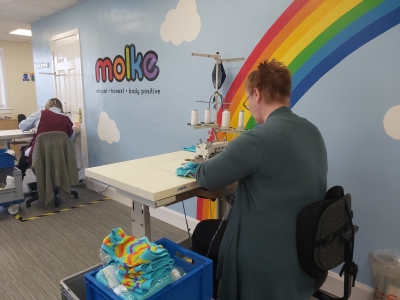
(332, 285)
(162, 213)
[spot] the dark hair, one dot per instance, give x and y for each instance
(274, 81)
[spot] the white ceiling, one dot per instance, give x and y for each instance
(19, 14)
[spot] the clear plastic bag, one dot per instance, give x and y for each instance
(104, 257)
(177, 272)
(10, 182)
(385, 266)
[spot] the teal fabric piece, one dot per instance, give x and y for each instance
(281, 167)
(159, 254)
(160, 284)
(148, 284)
(102, 278)
(188, 170)
(156, 264)
(190, 149)
(128, 296)
(161, 271)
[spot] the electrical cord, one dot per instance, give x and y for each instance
(187, 225)
(101, 193)
(228, 209)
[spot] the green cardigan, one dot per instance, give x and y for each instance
(281, 167)
(54, 164)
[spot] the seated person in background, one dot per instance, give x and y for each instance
(281, 167)
(50, 119)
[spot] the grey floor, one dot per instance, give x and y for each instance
(35, 255)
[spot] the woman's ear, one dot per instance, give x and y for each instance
(257, 95)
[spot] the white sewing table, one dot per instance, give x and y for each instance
(152, 182)
(15, 134)
(8, 135)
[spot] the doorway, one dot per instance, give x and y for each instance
(66, 58)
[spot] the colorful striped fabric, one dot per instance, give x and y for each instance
(141, 263)
(129, 262)
(153, 266)
(118, 244)
(143, 283)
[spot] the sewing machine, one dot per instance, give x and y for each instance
(208, 150)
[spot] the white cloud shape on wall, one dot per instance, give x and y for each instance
(107, 129)
(391, 122)
(181, 24)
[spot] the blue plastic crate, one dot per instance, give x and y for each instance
(6, 160)
(195, 285)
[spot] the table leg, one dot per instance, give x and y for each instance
(140, 220)
(222, 208)
(6, 143)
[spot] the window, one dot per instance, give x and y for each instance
(4, 104)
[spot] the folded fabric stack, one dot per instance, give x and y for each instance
(141, 263)
(188, 170)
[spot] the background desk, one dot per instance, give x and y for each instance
(152, 182)
(8, 135)
(7, 124)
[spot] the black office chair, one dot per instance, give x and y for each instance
(325, 239)
(35, 194)
(23, 142)
(20, 118)
(54, 164)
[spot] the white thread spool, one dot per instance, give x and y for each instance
(194, 120)
(65, 108)
(207, 116)
(226, 115)
(241, 119)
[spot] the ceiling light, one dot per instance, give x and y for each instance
(22, 32)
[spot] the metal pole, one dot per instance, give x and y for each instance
(216, 86)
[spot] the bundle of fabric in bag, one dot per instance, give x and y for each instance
(142, 267)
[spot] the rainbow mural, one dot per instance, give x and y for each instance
(310, 37)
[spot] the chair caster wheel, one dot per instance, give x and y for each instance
(13, 209)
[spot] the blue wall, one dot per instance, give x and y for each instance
(348, 104)
(148, 125)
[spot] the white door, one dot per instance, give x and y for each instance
(65, 48)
